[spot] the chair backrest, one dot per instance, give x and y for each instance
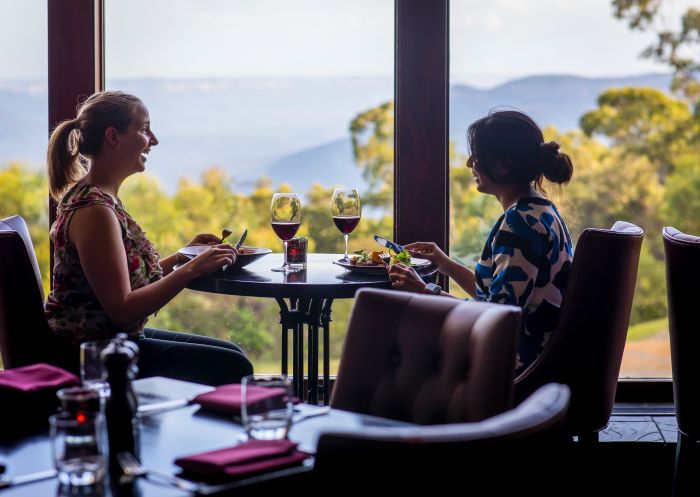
(25, 336)
(682, 273)
(585, 350)
(426, 359)
(503, 452)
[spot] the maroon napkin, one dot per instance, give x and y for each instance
(254, 456)
(28, 395)
(226, 399)
(37, 377)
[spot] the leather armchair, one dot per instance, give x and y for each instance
(25, 335)
(515, 451)
(682, 275)
(585, 350)
(426, 359)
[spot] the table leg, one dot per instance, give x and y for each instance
(326, 325)
(289, 321)
(299, 373)
(314, 313)
(313, 322)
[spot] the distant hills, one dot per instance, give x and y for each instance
(292, 130)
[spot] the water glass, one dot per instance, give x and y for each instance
(76, 400)
(77, 447)
(91, 367)
(266, 406)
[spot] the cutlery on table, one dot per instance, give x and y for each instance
(238, 243)
(132, 468)
(225, 233)
(28, 478)
(241, 239)
(301, 415)
(388, 244)
(386, 259)
(158, 407)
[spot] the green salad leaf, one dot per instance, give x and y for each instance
(362, 256)
(404, 257)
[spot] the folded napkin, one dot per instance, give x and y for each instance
(36, 377)
(28, 395)
(227, 399)
(254, 456)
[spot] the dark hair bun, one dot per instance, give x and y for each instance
(556, 166)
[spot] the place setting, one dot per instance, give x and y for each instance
(246, 254)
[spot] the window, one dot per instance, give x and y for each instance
(249, 98)
(24, 121)
(536, 58)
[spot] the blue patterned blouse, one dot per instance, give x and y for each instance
(526, 262)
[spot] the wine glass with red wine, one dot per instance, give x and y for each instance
(346, 211)
(286, 219)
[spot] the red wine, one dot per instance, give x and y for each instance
(285, 230)
(346, 223)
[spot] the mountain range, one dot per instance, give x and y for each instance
(292, 130)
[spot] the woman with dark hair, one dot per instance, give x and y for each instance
(527, 256)
(107, 276)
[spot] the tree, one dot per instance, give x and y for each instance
(372, 135)
(644, 122)
(679, 49)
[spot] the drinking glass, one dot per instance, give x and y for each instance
(91, 367)
(346, 211)
(77, 447)
(266, 406)
(285, 220)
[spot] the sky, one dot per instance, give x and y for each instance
(490, 42)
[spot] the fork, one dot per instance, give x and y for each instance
(385, 258)
(225, 233)
(133, 468)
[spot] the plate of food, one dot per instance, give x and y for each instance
(376, 261)
(246, 255)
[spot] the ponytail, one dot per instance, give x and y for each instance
(78, 140)
(63, 162)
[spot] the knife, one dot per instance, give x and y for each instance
(388, 244)
(28, 478)
(241, 239)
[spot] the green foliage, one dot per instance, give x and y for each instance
(25, 192)
(682, 207)
(372, 135)
(644, 122)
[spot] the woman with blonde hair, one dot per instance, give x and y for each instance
(107, 276)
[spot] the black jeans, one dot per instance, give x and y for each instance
(187, 357)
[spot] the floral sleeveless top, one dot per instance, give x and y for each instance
(72, 308)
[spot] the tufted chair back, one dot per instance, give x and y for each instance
(426, 359)
(25, 335)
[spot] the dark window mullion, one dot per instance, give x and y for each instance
(421, 133)
(75, 48)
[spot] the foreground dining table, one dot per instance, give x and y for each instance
(305, 299)
(169, 434)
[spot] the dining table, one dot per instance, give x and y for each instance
(305, 300)
(173, 431)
